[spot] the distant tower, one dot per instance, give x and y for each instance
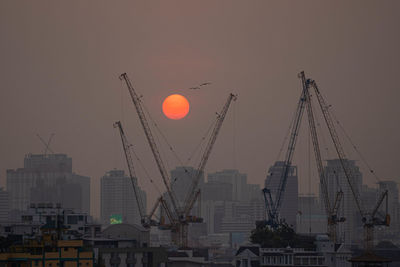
(117, 198)
(289, 206)
(337, 180)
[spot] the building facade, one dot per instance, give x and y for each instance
(4, 205)
(349, 231)
(117, 198)
(289, 206)
(48, 178)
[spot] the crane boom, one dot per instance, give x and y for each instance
(369, 218)
(274, 206)
(339, 149)
(153, 146)
(331, 212)
(191, 196)
(128, 156)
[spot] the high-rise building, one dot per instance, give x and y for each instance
(289, 206)
(230, 204)
(48, 178)
(336, 180)
(311, 217)
(118, 200)
(4, 206)
(236, 179)
(181, 181)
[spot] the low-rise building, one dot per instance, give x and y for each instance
(48, 253)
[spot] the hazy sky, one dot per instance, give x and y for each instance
(60, 61)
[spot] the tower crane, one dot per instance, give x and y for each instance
(146, 220)
(331, 211)
(150, 139)
(131, 169)
(372, 218)
(192, 195)
(273, 205)
(179, 216)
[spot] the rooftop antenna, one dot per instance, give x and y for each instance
(46, 144)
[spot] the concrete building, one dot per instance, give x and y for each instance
(4, 206)
(117, 198)
(289, 206)
(48, 178)
(232, 216)
(181, 181)
(75, 225)
(311, 217)
(351, 230)
(253, 256)
(63, 253)
(236, 179)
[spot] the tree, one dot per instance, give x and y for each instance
(282, 236)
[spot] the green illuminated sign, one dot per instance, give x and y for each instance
(115, 219)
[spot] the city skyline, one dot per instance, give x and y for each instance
(62, 78)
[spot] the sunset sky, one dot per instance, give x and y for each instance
(60, 62)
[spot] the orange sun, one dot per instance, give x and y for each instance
(175, 107)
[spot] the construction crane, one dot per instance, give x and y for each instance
(46, 144)
(146, 220)
(370, 219)
(192, 195)
(331, 211)
(273, 205)
(179, 216)
(150, 139)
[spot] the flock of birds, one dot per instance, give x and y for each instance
(201, 85)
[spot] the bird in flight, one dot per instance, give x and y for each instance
(206, 83)
(198, 87)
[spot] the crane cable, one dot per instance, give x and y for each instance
(203, 138)
(363, 159)
(145, 171)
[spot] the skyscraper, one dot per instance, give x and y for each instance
(336, 180)
(236, 179)
(117, 198)
(181, 181)
(48, 178)
(289, 206)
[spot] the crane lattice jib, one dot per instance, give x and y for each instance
(129, 162)
(289, 156)
(191, 197)
(317, 152)
(153, 146)
(339, 149)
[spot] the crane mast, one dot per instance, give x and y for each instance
(369, 219)
(331, 212)
(273, 206)
(150, 139)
